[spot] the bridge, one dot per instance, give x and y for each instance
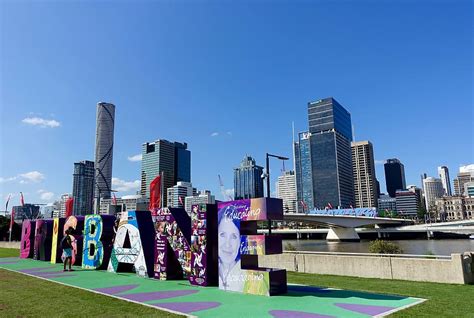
(342, 222)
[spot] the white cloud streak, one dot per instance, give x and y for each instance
(379, 162)
(214, 134)
(135, 158)
(43, 123)
(125, 186)
(32, 176)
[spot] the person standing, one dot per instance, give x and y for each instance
(66, 245)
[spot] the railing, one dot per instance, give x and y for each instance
(446, 257)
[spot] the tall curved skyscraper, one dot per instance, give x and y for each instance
(104, 146)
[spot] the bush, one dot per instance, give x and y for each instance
(384, 247)
(289, 247)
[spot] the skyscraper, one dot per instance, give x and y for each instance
(303, 173)
(286, 190)
(433, 190)
(104, 148)
(331, 156)
(443, 173)
(363, 167)
(248, 182)
(394, 176)
(83, 188)
(171, 158)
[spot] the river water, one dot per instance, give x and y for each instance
(419, 247)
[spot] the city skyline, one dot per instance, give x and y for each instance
(219, 127)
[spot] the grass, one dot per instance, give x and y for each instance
(21, 295)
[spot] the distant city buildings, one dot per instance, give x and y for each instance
(177, 194)
(386, 203)
(126, 203)
(170, 158)
(465, 175)
(433, 190)
(363, 168)
(62, 204)
(26, 212)
(443, 173)
(456, 207)
(407, 203)
(394, 176)
(83, 187)
(104, 148)
(203, 197)
(286, 190)
(248, 182)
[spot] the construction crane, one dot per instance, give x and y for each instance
(224, 195)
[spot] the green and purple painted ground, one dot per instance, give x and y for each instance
(180, 296)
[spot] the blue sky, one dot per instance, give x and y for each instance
(228, 78)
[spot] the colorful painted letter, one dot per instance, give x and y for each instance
(239, 247)
(56, 250)
(27, 239)
(134, 244)
(43, 236)
(98, 235)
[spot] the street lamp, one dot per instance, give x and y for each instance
(267, 175)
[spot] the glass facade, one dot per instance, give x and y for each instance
(394, 176)
(83, 188)
(171, 158)
(304, 179)
(248, 182)
(331, 155)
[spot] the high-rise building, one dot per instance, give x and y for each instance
(469, 189)
(394, 176)
(406, 203)
(83, 188)
(419, 194)
(331, 155)
(286, 190)
(170, 158)
(248, 182)
(303, 173)
(177, 194)
(443, 173)
(466, 174)
(203, 197)
(363, 167)
(104, 148)
(433, 190)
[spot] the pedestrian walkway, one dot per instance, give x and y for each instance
(181, 297)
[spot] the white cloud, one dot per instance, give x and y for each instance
(125, 186)
(214, 134)
(229, 133)
(379, 162)
(2, 180)
(33, 176)
(135, 158)
(46, 195)
(43, 123)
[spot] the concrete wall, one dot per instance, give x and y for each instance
(459, 269)
(10, 244)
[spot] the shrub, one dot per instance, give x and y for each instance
(384, 247)
(289, 247)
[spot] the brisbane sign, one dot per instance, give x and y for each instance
(216, 245)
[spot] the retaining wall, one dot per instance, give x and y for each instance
(457, 269)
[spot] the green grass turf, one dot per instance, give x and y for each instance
(9, 252)
(25, 296)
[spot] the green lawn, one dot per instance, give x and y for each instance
(21, 295)
(9, 252)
